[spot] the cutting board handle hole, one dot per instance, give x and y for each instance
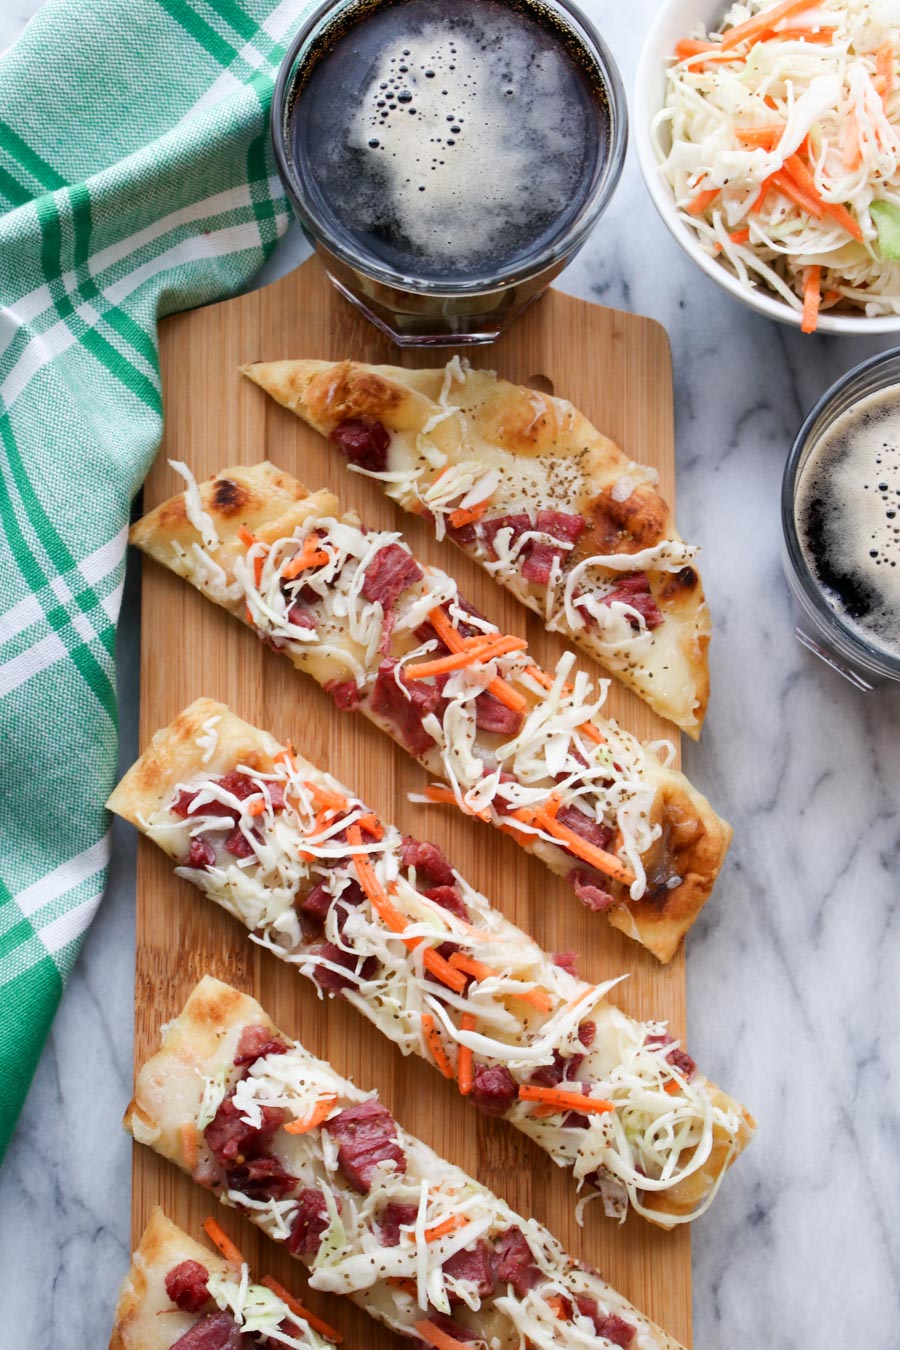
(542, 383)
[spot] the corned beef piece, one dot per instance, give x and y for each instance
(475, 1267)
(310, 1222)
(514, 1263)
(493, 1089)
(390, 572)
(186, 1286)
(231, 1138)
(366, 1135)
(428, 860)
(362, 442)
(405, 714)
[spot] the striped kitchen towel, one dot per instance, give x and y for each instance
(136, 180)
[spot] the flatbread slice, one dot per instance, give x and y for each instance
(179, 1295)
(325, 885)
(372, 1211)
(526, 750)
(525, 485)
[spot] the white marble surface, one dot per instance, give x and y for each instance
(791, 968)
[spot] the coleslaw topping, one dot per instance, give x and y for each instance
(564, 746)
(401, 1279)
(780, 140)
(443, 975)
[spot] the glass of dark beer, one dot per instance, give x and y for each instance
(447, 158)
(840, 511)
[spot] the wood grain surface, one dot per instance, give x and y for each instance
(616, 367)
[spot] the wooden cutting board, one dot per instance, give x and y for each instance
(617, 368)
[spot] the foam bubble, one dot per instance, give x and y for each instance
(848, 513)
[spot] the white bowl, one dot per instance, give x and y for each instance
(675, 19)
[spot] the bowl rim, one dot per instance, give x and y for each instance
(650, 71)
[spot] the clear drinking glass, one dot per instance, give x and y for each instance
(821, 628)
(411, 310)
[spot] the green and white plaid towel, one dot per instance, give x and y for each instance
(135, 180)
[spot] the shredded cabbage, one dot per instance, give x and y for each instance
(256, 1309)
(820, 88)
(664, 1125)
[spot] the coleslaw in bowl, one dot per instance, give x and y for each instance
(769, 138)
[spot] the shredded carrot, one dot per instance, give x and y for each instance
(464, 1057)
(249, 614)
(884, 65)
(433, 1041)
(257, 806)
(246, 538)
(318, 826)
(740, 236)
(442, 665)
(693, 47)
(844, 218)
(310, 555)
(286, 756)
(851, 157)
(479, 971)
(326, 797)
(672, 1088)
(786, 184)
(315, 1118)
(825, 34)
(454, 640)
(607, 863)
(797, 182)
(220, 1239)
(450, 636)
(760, 198)
(701, 201)
(521, 836)
(372, 825)
(467, 515)
(427, 1331)
(811, 298)
(388, 913)
(764, 137)
(483, 651)
(754, 28)
(558, 1304)
(190, 1144)
(435, 793)
(803, 178)
(317, 1323)
(435, 964)
(444, 1227)
(505, 694)
(566, 1101)
(539, 998)
(404, 1284)
(701, 54)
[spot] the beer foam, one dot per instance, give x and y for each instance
(848, 513)
(473, 135)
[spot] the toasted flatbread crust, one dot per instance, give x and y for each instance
(145, 1317)
(525, 425)
(272, 504)
(204, 1038)
(173, 757)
